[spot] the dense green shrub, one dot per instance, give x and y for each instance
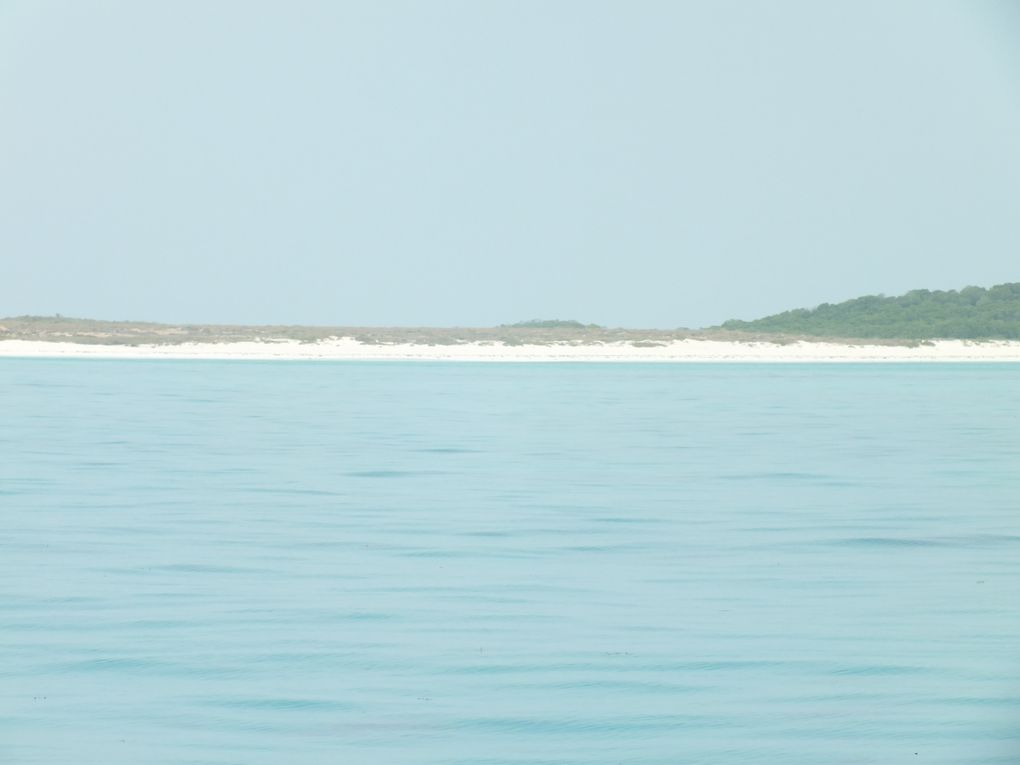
(552, 324)
(971, 313)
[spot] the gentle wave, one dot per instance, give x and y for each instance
(446, 564)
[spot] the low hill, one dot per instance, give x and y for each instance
(973, 313)
(537, 332)
(552, 324)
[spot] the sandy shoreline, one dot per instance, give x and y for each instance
(677, 351)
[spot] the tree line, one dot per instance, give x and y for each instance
(973, 313)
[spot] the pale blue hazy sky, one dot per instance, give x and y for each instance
(435, 162)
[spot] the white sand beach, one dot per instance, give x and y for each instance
(677, 351)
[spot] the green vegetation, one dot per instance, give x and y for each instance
(973, 313)
(94, 332)
(552, 324)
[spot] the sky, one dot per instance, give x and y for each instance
(479, 162)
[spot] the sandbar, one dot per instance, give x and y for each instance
(688, 350)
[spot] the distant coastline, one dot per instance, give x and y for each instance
(972, 324)
(971, 313)
(686, 350)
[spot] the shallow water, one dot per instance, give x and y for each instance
(495, 564)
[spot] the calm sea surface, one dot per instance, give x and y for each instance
(508, 564)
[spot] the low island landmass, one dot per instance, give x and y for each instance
(971, 324)
(973, 313)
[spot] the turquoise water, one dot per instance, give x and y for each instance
(499, 564)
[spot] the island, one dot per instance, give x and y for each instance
(970, 324)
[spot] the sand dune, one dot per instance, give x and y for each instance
(677, 351)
